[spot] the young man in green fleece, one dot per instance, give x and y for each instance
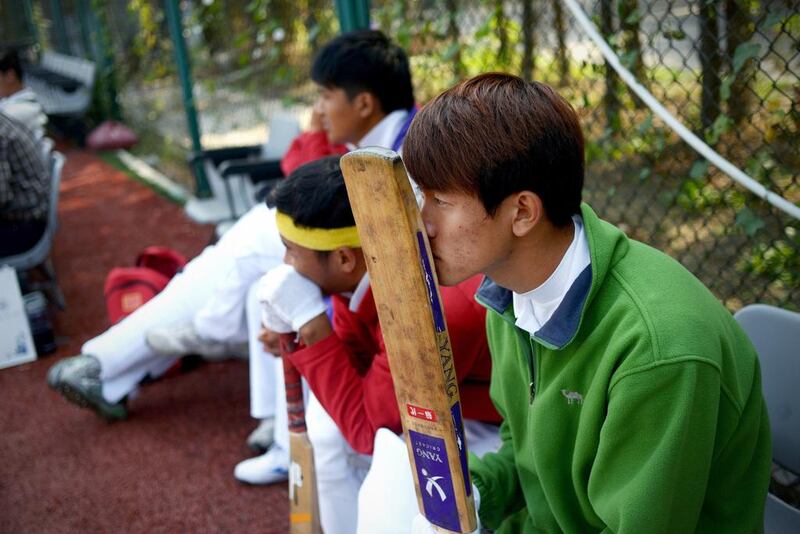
(632, 400)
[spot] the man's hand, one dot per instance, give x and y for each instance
(271, 341)
(316, 329)
(291, 299)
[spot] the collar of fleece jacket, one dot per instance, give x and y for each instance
(563, 326)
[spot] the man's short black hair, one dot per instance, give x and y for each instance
(9, 60)
(366, 60)
(314, 195)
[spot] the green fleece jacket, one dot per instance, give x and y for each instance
(636, 408)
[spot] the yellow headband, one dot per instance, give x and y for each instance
(317, 238)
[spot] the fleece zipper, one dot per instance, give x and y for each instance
(532, 369)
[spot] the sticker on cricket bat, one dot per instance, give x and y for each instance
(433, 473)
(426, 414)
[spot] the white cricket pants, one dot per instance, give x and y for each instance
(340, 471)
(211, 291)
(387, 500)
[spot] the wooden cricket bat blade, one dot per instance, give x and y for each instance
(303, 505)
(406, 292)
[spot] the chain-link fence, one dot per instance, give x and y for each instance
(728, 70)
(249, 60)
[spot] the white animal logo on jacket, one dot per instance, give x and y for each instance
(572, 396)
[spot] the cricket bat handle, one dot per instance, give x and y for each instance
(294, 386)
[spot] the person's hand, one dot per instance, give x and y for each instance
(290, 297)
(271, 341)
(316, 329)
(420, 525)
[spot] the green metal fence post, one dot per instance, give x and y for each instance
(184, 72)
(86, 34)
(353, 14)
(31, 26)
(105, 55)
(60, 27)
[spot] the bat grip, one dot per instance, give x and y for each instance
(294, 387)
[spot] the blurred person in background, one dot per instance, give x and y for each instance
(16, 100)
(24, 188)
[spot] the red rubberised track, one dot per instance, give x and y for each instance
(169, 467)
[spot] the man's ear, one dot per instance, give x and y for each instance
(345, 259)
(366, 104)
(526, 210)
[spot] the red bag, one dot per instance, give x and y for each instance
(127, 288)
(111, 135)
(162, 259)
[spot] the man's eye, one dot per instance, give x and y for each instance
(439, 201)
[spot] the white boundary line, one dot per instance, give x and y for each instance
(695, 142)
(153, 177)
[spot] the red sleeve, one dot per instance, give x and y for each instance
(360, 402)
(306, 147)
(349, 370)
(466, 324)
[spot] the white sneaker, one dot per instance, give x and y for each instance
(269, 468)
(182, 339)
(261, 438)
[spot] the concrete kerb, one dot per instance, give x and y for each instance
(153, 178)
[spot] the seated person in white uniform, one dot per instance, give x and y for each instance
(365, 97)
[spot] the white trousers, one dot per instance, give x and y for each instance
(265, 369)
(211, 291)
(387, 500)
(340, 471)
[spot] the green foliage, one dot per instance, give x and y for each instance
(674, 34)
(749, 221)
(778, 260)
(792, 26)
(743, 53)
(151, 51)
(721, 125)
(696, 196)
(699, 170)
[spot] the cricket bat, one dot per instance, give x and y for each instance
(303, 505)
(406, 293)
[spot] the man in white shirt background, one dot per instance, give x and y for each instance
(16, 100)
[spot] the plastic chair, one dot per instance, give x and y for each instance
(63, 84)
(775, 333)
(46, 144)
(39, 255)
(256, 168)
